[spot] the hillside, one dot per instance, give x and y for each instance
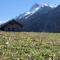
(41, 19)
(29, 46)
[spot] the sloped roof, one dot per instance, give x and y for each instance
(13, 20)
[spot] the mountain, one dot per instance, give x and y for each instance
(35, 18)
(29, 13)
(40, 18)
(42, 9)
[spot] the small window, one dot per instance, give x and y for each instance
(8, 29)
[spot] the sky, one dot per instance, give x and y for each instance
(11, 8)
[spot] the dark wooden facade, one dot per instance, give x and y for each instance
(11, 25)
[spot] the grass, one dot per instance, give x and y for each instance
(29, 45)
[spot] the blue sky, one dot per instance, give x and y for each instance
(11, 8)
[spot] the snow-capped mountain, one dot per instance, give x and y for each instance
(41, 18)
(36, 7)
(24, 15)
(30, 12)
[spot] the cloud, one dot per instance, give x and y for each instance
(1, 22)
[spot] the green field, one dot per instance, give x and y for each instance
(29, 46)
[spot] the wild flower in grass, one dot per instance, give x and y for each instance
(7, 43)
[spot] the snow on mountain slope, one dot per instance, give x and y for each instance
(41, 18)
(32, 16)
(36, 7)
(28, 13)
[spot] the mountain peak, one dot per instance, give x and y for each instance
(34, 9)
(34, 6)
(58, 6)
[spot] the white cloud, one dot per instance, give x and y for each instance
(3, 21)
(0, 21)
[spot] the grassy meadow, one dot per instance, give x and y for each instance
(29, 46)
